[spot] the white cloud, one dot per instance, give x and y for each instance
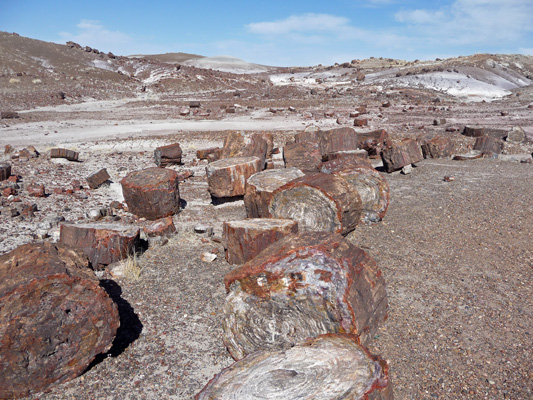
(300, 23)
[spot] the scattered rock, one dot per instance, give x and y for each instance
(5, 171)
(95, 179)
(208, 257)
(9, 115)
(516, 135)
(407, 169)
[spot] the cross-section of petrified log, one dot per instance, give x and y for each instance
(152, 193)
(324, 368)
(70, 155)
(5, 171)
(373, 142)
(227, 177)
(319, 202)
(97, 178)
(260, 186)
(54, 318)
(247, 238)
(167, 155)
(305, 156)
(400, 154)
(488, 145)
(438, 147)
(372, 188)
(102, 243)
(302, 286)
(339, 139)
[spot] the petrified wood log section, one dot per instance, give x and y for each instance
(302, 286)
(247, 238)
(319, 202)
(97, 178)
(237, 144)
(167, 155)
(400, 154)
(227, 177)
(373, 142)
(345, 160)
(152, 193)
(438, 147)
(70, 155)
(488, 145)
(54, 318)
(324, 368)
(260, 186)
(5, 171)
(102, 243)
(373, 190)
(204, 154)
(305, 156)
(339, 139)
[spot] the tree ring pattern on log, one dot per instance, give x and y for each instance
(327, 367)
(373, 190)
(296, 299)
(67, 323)
(313, 210)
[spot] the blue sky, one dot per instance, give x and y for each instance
(284, 33)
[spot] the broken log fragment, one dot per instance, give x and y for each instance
(319, 202)
(323, 368)
(5, 171)
(373, 142)
(260, 186)
(152, 193)
(54, 318)
(102, 243)
(305, 156)
(237, 144)
(204, 154)
(227, 177)
(247, 238)
(167, 155)
(339, 139)
(302, 286)
(471, 155)
(344, 160)
(488, 145)
(70, 155)
(97, 178)
(400, 154)
(437, 147)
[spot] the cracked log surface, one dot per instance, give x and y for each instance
(227, 177)
(54, 318)
(327, 367)
(302, 286)
(260, 186)
(319, 202)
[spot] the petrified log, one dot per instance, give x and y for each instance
(152, 193)
(488, 145)
(54, 318)
(372, 188)
(373, 142)
(302, 286)
(478, 131)
(247, 238)
(345, 160)
(227, 177)
(167, 155)
(319, 202)
(234, 142)
(237, 144)
(324, 368)
(471, 155)
(339, 139)
(9, 114)
(355, 154)
(97, 178)
(204, 154)
(360, 122)
(260, 186)
(310, 134)
(400, 154)
(102, 243)
(70, 155)
(437, 147)
(5, 171)
(305, 156)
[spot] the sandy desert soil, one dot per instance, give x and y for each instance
(457, 256)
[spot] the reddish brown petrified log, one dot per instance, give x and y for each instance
(36, 190)
(227, 177)
(167, 155)
(152, 193)
(319, 202)
(400, 154)
(339, 139)
(310, 134)
(303, 286)
(102, 243)
(260, 186)
(247, 238)
(345, 159)
(97, 178)
(234, 142)
(478, 131)
(437, 147)
(70, 155)
(161, 227)
(5, 171)
(331, 366)
(204, 154)
(54, 318)
(360, 122)
(488, 145)
(373, 142)
(305, 156)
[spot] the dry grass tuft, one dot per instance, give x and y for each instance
(132, 269)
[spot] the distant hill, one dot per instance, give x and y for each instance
(170, 58)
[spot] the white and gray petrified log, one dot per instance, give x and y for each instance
(246, 238)
(227, 177)
(371, 186)
(54, 318)
(302, 286)
(324, 368)
(260, 186)
(319, 202)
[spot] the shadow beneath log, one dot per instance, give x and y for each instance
(183, 204)
(217, 201)
(130, 325)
